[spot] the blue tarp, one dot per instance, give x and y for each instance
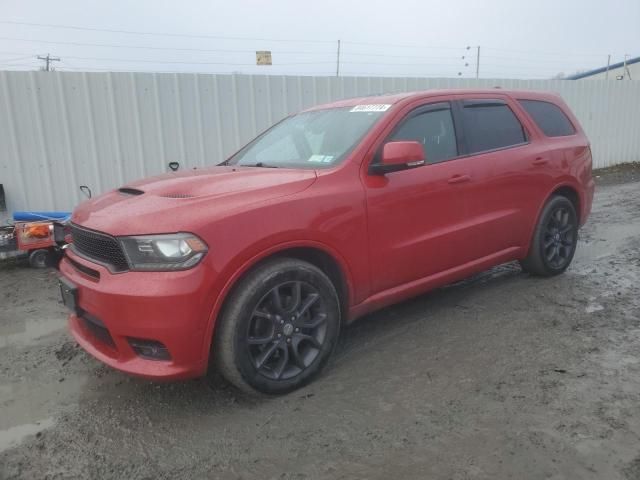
(36, 216)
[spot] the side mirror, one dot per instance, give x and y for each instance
(399, 156)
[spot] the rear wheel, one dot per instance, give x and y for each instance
(278, 328)
(554, 240)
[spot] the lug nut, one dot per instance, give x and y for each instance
(288, 340)
(279, 335)
(297, 329)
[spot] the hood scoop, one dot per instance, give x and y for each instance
(176, 195)
(130, 191)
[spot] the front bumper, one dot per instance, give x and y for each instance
(169, 307)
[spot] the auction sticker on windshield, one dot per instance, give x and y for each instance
(379, 107)
(320, 158)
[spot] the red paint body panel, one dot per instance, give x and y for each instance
(392, 236)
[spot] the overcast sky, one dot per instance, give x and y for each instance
(518, 39)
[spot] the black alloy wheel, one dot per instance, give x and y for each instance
(554, 240)
(287, 330)
(559, 238)
(278, 327)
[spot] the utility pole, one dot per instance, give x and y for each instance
(606, 75)
(47, 61)
(338, 61)
(478, 62)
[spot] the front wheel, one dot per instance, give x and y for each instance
(278, 328)
(554, 240)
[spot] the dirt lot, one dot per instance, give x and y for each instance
(501, 376)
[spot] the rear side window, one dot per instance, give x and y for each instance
(490, 125)
(549, 117)
(434, 130)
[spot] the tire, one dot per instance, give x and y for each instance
(278, 328)
(39, 258)
(554, 240)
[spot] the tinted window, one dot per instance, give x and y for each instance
(490, 126)
(434, 130)
(549, 117)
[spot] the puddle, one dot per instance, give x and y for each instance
(13, 436)
(37, 395)
(26, 332)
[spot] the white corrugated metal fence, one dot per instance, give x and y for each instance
(61, 130)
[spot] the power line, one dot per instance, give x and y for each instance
(401, 64)
(528, 59)
(141, 47)
(509, 63)
(533, 52)
(343, 53)
(162, 34)
(134, 60)
(201, 50)
(434, 47)
(19, 65)
(236, 38)
(16, 58)
(391, 55)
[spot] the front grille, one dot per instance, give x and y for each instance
(99, 247)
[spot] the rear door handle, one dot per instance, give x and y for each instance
(540, 161)
(459, 179)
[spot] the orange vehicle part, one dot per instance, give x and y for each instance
(33, 236)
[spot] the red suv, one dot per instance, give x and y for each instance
(253, 265)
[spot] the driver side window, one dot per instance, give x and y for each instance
(433, 129)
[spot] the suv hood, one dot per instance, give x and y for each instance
(180, 201)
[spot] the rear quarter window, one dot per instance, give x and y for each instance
(549, 117)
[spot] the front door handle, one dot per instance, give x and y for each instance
(540, 161)
(459, 179)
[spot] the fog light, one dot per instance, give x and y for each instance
(149, 349)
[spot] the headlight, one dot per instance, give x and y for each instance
(174, 251)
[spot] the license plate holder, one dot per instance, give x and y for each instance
(69, 294)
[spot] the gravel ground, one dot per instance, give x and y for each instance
(501, 376)
(623, 173)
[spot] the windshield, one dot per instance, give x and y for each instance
(317, 139)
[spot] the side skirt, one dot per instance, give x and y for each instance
(423, 285)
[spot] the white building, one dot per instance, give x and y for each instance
(629, 70)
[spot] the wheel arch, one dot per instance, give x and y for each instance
(572, 195)
(567, 190)
(320, 255)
